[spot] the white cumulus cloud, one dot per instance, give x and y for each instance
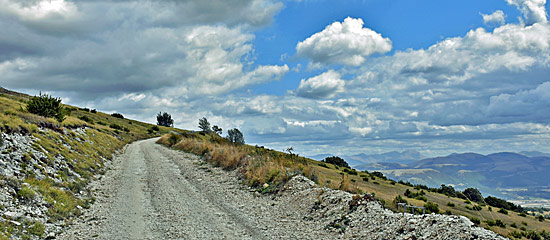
(345, 43)
(325, 85)
(533, 10)
(497, 17)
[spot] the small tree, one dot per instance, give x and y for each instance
(46, 106)
(165, 119)
(204, 125)
(235, 136)
(217, 129)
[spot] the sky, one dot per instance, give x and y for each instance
(339, 77)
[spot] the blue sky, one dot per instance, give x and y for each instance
(340, 77)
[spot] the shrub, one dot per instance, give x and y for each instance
(476, 207)
(379, 174)
(338, 161)
(115, 126)
(431, 207)
(93, 111)
(503, 211)
(514, 225)
(540, 218)
(475, 220)
(26, 193)
(421, 198)
(46, 106)
(165, 119)
(117, 115)
(101, 123)
(86, 119)
(499, 223)
(322, 164)
(37, 229)
(155, 128)
(350, 171)
(399, 199)
(450, 204)
(522, 214)
(173, 139)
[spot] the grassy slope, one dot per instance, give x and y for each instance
(83, 151)
(259, 166)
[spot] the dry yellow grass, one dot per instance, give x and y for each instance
(256, 165)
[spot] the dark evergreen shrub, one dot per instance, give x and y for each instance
(46, 106)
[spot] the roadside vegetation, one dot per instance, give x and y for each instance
(81, 138)
(267, 169)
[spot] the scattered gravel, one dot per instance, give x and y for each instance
(152, 192)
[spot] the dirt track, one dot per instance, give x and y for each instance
(152, 192)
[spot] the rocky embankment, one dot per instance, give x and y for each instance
(33, 203)
(156, 193)
(362, 217)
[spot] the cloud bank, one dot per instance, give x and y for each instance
(485, 90)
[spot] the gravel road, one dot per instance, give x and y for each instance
(152, 192)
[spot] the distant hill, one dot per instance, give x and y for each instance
(361, 159)
(503, 174)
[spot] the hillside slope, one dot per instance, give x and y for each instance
(45, 166)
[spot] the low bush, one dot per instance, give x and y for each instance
(503, 211)
(500, 223)
(37, 229)
(322, 164)
(115, 126)
(399, 199)
(475, 220)
(46, 106)
(117, 115)
(431, 207)
(86, 119)
(450, 204)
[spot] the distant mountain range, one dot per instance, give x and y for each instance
(506, 174)
(404, 157)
